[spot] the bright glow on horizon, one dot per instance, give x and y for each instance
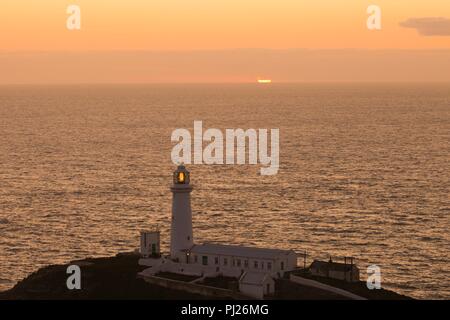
(264, 81)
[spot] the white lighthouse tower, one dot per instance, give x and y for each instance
(181, 239)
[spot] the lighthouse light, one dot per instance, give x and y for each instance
(181, 177)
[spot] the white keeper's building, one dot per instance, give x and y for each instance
(256, 268)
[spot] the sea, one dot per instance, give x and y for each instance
(364, 173)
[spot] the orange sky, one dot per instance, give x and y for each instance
(204, 41)
(29, 25)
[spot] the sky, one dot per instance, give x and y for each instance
(29, 28)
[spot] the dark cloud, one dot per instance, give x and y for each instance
(430, 26)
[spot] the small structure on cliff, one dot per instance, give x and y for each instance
(335, 270)
(150, 243)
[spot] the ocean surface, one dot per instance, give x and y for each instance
(364, 172)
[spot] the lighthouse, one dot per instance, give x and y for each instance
(181, 239)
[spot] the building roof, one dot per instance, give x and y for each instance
(256, 278)
(332, 266)
(240, 251)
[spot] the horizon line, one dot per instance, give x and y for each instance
(274, 82)
(220, 49)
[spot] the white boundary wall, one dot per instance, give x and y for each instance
(319, 285)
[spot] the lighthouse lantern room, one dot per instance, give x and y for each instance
(181, 175)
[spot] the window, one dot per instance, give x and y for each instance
(216, 260)
(225, 261)
(269, 265)
(246, 263)
(205, 260)
(189, 238)
(256, 264)
(282, 265)
(238, 262)
(262, 265)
